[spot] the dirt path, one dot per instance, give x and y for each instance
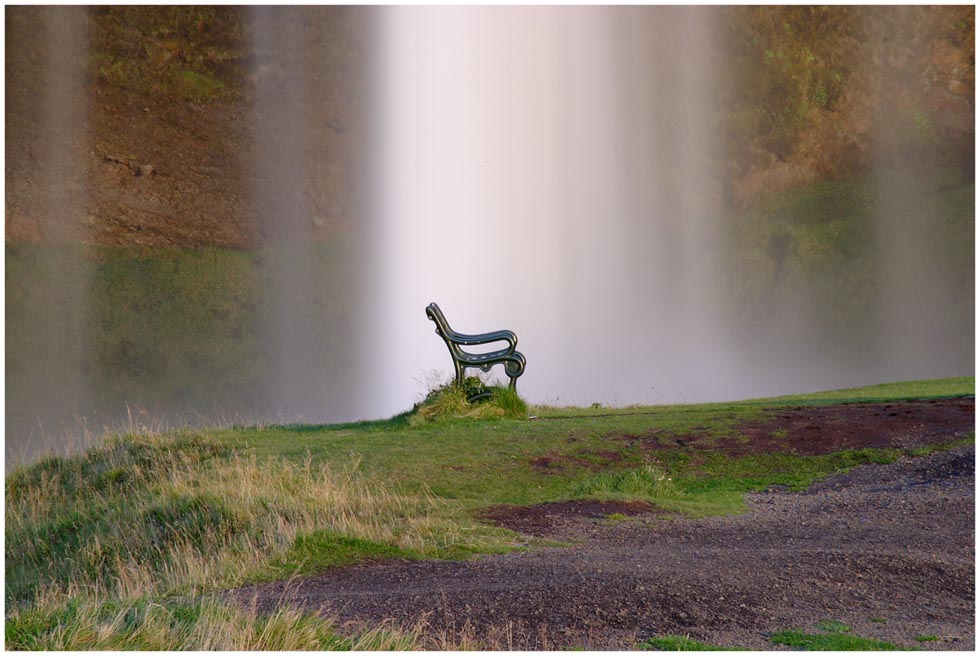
(886, 549)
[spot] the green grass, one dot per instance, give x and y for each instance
(679, 643)
(646, 482)
(830, 642)
(897, 391)
(315, 552)
(162, 326)
(594, 452)
(833, 626)
(151, 519)
(487, 461)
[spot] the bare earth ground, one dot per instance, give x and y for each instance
(886, 549)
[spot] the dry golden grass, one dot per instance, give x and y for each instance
(145, 516)
(90, 624)
(114, 548)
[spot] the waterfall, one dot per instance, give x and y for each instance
(545, 171)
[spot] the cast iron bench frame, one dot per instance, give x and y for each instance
(513, 360)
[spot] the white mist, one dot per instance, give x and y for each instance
(544, 171)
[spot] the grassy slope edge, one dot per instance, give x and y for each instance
(97, 542)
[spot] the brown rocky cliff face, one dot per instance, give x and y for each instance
(169, 174)
(156, 169)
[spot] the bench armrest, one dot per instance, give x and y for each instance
(485, 338)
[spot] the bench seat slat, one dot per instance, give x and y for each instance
(496, 336)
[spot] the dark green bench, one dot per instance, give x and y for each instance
(512, 359)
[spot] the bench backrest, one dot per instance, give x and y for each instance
(438, 318)
(447, 333)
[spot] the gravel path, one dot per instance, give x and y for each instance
(886, 549)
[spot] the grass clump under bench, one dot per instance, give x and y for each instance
(452, 401)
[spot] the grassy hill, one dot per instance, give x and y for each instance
(120, 547)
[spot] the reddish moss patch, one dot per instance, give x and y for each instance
(557, 463)
(812, 430)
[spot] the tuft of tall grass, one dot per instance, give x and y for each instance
(510, 402)
(648, 481)
(157, 516)
(88, 624)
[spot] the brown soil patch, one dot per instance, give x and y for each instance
(825, 429)
(543, 519)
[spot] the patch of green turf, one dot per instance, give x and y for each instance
(833, 626)
(482, 462)
(323, 549)
(830, 642)
(591, 452)
(679, 643)
(164, 53)
(897, 391)
(716, 483)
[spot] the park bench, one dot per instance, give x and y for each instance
(512, 359)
